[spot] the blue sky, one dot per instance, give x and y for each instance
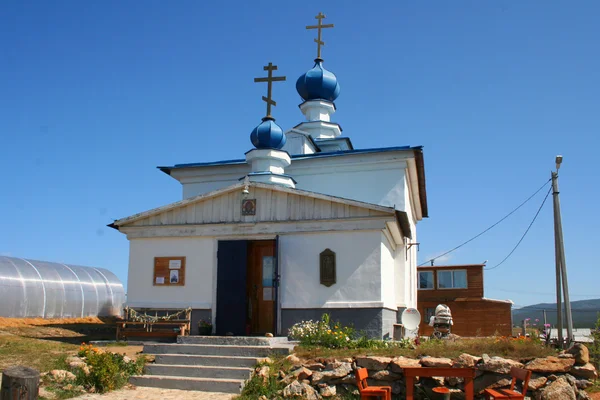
(95, 95)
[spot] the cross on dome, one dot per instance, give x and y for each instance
(319, 28)
(270, 79)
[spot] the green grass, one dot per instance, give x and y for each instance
(42, 355)
(502, 347)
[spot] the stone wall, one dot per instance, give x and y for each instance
(564, 377)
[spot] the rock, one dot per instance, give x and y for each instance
(582, 395)
(316, 366)
(465, 361)
(60, 375)
(71, 359)
(264, 372)
(46, 394)
(537, 382)
(398, 387)
(399, 363)
(327, 391)
(348, 379)
(558, 390)
(333, 365)
(302, 373)
(498, 365)
(552, 378)
(580, 352)
(491, 381)
(127, 359)
(326, 376)
(373, 363)
(571, 379)
(293, 359)
(586, 371)
(454, 381)
(268, 334)
(347, 359)
(384, 375)
(301, 391)
(436, 362)
(263, 397)
(583, 384)
(550, 365)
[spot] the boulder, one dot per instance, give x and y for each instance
(399, 363)
(315, 366)
(583, 384)
(327, 391)
(550, 365)
(491, 381)
(537, 382)
(60, 375)
(580, 352)
(498, 365)
(436, 362)
(373, 363)
(582, 395)
(558, 390)
(586, 371)
(398, 387)
(465, 361)
(293, 359)
(302, 373)
(384, 375)
(300, 391)
(326, 376)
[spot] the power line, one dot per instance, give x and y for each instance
(476, 236)
(524, 234)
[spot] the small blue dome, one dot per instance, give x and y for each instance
(318, 84)
(268, 135)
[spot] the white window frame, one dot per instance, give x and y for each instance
(432, 279)
(452, 277)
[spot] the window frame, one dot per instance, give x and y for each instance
(452, 279)
(432, 280)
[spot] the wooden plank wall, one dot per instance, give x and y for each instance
(474, 285)
(270, 206)
(473, 318)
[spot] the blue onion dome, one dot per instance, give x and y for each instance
(268, 135)
(318, 84)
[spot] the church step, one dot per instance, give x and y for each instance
(231, 340)
(186, 383)
(195, 371)
(214, 361)
(211, 350)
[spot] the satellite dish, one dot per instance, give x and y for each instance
(411, 317)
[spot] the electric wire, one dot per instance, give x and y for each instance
(492, 226)
(524, 234)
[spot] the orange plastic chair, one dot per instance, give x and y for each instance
(517, 374)
(369, 392)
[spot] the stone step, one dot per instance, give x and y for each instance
(214, 361)
(186, 383)
(231, 340)
(197, 371)
(212, 350)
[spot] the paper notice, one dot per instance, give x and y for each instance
(160, 280)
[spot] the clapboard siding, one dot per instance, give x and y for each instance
(271, 205)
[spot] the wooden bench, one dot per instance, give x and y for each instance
(411, 373)
(141, 324)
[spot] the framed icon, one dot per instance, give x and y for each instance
(249, 207)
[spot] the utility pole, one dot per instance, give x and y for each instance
(545, 319)
(561, 264)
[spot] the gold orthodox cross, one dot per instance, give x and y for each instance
(270, 79)
(319, 28)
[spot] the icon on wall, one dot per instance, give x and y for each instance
(249, 207)
(174, 276)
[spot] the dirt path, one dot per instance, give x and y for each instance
(139, 393)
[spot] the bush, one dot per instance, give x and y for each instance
(106, 371)
(330, 335)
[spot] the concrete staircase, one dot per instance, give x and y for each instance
(207, 363)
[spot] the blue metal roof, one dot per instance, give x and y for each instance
(294, 157)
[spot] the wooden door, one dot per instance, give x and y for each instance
(260, 287)
(231, 287)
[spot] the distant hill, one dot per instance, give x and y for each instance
(585, 313)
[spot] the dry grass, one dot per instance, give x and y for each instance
(19, 322)
(503, 347)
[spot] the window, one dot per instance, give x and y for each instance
(456, 279)
(426, 280)
(429, 312)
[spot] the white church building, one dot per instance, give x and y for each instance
(304, 224)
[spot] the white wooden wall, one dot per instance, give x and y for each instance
(271, 205)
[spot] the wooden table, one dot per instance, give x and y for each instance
(411, 373)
